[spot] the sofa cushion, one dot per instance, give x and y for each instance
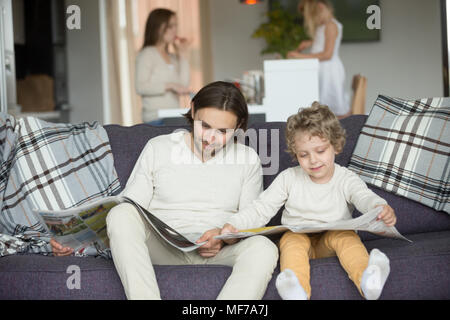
(49, 166)
(41, 277)
(127, 144)
(403, 149)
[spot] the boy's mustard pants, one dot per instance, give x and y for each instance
(297, 248)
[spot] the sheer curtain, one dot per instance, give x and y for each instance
(120, 55)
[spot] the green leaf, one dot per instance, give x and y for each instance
(282, 32)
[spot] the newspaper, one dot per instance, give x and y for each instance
(85, 226)
(366, 222)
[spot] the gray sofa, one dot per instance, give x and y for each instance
(419, 270)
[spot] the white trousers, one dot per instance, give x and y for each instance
(135, 247)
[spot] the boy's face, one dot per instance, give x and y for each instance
(316, 156)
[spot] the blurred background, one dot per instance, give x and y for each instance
(74, 75)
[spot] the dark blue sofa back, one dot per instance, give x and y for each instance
(412, 217)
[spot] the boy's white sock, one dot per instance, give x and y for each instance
(375, 275)
(288, 286)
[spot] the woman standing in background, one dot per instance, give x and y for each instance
(161, 76)
(326, 34)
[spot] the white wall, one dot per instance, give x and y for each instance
(84, 65)
(233, 49)
(407, 62)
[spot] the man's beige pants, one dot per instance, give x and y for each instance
(135, 247)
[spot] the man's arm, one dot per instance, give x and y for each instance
(253, 182)
(139, 186)
(251, 188)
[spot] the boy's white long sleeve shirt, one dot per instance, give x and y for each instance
(306, 201)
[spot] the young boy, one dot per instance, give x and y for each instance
(318, 190)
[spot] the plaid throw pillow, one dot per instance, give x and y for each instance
(404, 148)
(50, 166)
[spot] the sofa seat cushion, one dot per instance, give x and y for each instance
(419, 270)
(412, 217)
(32, 276)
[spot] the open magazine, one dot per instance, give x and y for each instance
(85, 226)
(366, 222)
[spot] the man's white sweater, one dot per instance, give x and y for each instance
(190, 195)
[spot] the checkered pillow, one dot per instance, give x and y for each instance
(50, 166)
(404, 148)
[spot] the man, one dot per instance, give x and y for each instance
(194, 181)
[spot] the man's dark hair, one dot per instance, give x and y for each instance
(223, 96)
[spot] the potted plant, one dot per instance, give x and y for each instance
(283, 32)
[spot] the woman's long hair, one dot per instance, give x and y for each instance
(310, 11)
(156, 26)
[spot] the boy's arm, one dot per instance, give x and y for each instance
(261, 210)
(139, 186)
(358, 194)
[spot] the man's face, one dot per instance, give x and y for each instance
(213, 128)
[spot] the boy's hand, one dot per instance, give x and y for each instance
(228, 228)
(387, 215)
(213, 246)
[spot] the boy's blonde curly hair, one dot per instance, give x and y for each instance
(317, 120)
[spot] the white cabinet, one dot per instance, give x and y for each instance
(289, 85)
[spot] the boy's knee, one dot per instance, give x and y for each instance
(340, 235)
(290, 237)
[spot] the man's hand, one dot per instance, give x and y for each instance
(228, 228)
(59, 250)
(213, 246)
(387, 215)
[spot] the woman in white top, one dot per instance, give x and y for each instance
(161, 76)
(326, 34)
